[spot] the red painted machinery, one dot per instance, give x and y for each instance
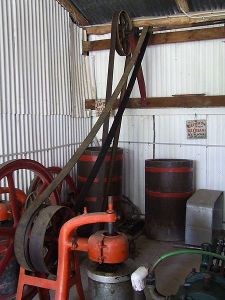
(101, 247)
(12, 209)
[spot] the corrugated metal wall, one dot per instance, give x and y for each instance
(193, 67)
(41, 102)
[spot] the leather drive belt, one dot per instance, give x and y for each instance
(120, 43)
(22, 235)
(43, 248)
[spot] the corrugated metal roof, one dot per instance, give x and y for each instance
(101, 11)
(201, 5)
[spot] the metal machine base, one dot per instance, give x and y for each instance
(204, 217)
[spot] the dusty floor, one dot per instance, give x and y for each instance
(169, 275)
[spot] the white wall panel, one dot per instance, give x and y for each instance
(82, 77)
(43, 83)
(50, 140)
(172, 129)
(136, 139)
(182, 68)
(34, 57)
(179, 68)
(134, 171)
(216, 126)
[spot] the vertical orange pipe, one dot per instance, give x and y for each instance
(64, 247)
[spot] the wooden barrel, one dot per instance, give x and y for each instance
(84, 166)
(168, 185)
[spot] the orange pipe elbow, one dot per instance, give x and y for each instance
(70, 226)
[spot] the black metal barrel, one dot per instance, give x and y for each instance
(168, 185)
(84, 166)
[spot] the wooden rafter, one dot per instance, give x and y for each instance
(163, 102)
(74, 13)
(170, 22)
(182, 5)
(164, 38)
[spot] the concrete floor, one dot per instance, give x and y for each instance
(169, 275)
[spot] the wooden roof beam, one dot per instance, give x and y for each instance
(165, 38)
(74, 13)
(165, 102)
(170, 22)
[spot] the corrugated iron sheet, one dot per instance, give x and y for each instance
(41, 112)
(181, 68)
(201, 5)
(195, 67)
(101, 11)
(81, 73)
(34, 57)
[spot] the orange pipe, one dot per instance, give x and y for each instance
(65, 245)
(81, 244)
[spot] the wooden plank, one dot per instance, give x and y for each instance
(164, 38)
(189, 35)
(169, 22)
(74, 13)
(182, 5)
(95, 45)
(165, 102)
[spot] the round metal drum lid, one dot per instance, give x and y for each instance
(108, 278)
(120, 275)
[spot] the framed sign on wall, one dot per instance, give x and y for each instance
(196, 129)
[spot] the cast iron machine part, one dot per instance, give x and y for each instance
(12, 209)
(101, 248)
(203, 285)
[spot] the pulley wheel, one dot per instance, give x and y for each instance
(8, 171)
(124, 28)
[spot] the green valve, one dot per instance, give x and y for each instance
(205, 258)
